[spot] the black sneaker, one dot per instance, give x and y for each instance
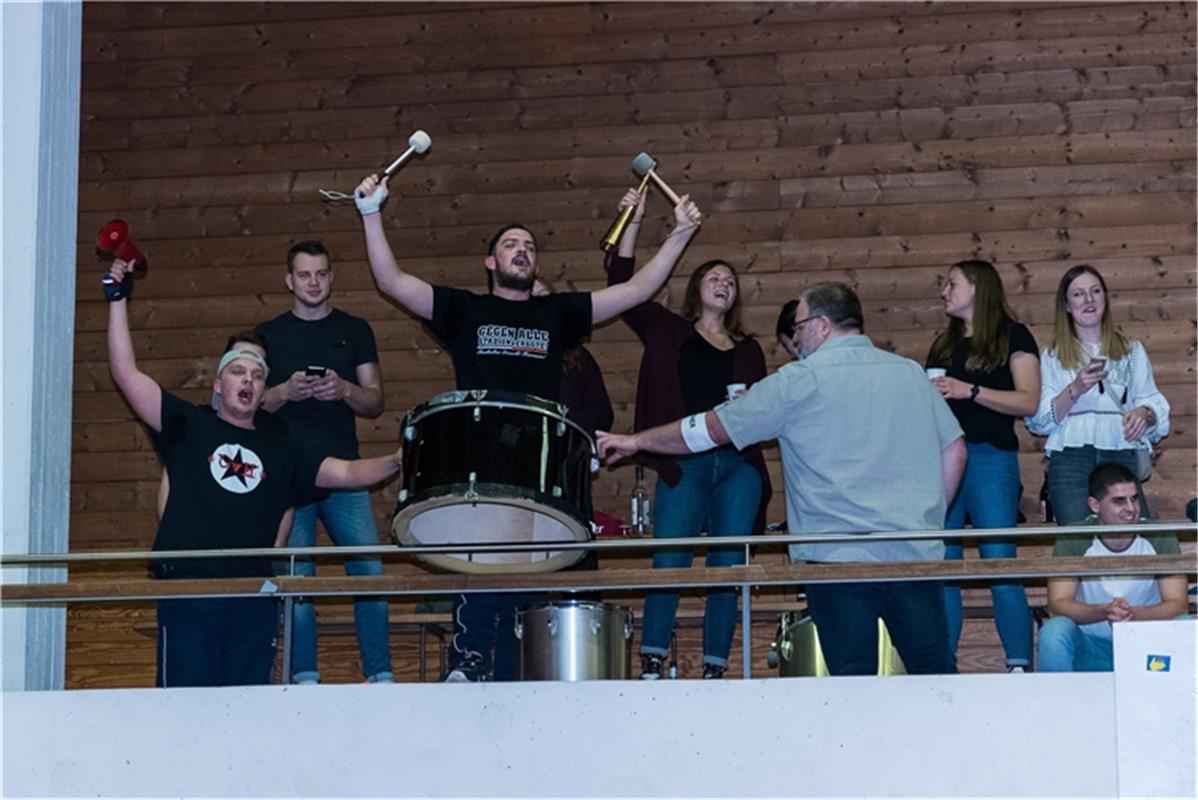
(713, 672)
(471, 669)
(650, 667)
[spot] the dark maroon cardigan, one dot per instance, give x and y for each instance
(658, 387)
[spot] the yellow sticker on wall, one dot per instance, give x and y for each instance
(1159, 663)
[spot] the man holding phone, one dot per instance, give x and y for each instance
(324, 373)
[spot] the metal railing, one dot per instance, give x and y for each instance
(290, 586)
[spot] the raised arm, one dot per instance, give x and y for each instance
(607, 303)
(411, 292)
(143, 392)
(627, 248)
(620, 267)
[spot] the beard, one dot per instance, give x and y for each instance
(516, 283)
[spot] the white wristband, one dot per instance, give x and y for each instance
(370, 205)
(694, 433)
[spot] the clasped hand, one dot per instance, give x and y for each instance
(1118, 610)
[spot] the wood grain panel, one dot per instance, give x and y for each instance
(870, 143)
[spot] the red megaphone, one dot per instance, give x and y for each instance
(114, 239)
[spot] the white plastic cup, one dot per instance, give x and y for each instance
(735, 390)
(936, 372)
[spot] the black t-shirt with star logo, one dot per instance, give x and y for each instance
(229, 489)
(513, 345)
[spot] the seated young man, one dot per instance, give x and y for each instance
(1078, 637)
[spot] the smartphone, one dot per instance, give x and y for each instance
(315, 372)
(1101, 362)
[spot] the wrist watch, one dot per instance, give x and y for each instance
(973, 392)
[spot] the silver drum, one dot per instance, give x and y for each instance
(796, 651)
(574, 640)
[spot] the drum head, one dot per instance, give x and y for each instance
(451, 519)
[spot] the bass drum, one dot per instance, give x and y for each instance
(574, 640)
(796, 652)
(489, 467)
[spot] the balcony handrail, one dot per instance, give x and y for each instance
(602, 544)
(745, 578)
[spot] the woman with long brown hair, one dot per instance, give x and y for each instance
(693, 361)
(992, 377)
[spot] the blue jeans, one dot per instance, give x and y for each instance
(847, 614)
(349, 521)
(719, 490)
(484, 623)
(217, 641)
(1069, 477)
(1064, 647)
(989, 494)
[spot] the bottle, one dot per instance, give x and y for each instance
(1045, 503)
(640, 520)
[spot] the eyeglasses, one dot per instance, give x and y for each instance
(799, 323)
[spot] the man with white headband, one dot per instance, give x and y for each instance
(242, 353)
(326, 375)
(867, 445)
(231, 483)
(242, 340)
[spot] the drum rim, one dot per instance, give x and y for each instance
(558, 412)
(444, 561)
(616, 607)
(424, 501)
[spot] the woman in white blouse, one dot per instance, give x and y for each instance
(1098, 400)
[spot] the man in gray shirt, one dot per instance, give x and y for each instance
(867, 445)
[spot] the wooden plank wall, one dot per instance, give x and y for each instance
(870, 143)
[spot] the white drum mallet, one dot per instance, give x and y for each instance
(418, 144)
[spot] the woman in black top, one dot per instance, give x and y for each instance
(693, 361)
(992, 368)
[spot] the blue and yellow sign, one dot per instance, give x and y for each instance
(1159, 663)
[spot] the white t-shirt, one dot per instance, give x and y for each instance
(1102, 590)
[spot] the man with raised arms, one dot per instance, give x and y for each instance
(230, 484)
(507, 340)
